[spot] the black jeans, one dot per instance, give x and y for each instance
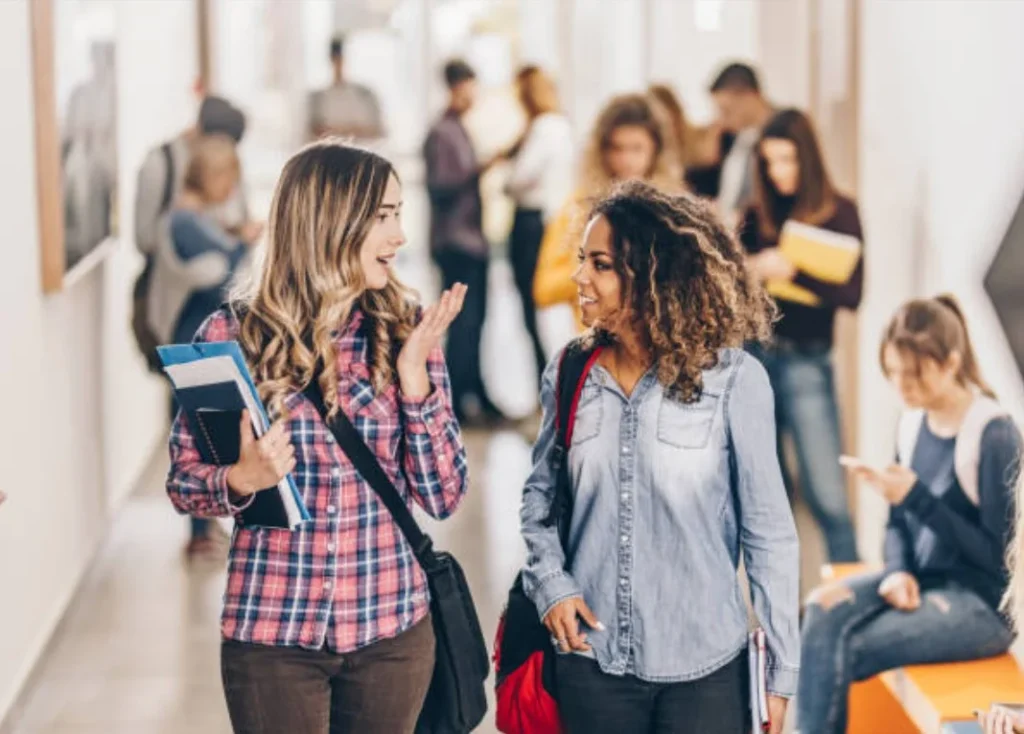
(288, 690)
(592, 702)
(462, 352)
(523, 249)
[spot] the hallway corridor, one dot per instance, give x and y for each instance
(137, 651)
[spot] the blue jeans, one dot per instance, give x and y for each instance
(806, 408)
(857, 635)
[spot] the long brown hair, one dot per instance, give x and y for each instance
(815, 197)
(684, 281)
(680, 138)
(537, 91)
(628, 110)
(935, 328)
(311, 280)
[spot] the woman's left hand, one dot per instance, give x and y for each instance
(893, 483)
(412, 360)
(777, 713)
(998, 720)
(771, 264)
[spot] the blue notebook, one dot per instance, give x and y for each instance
(213, 386)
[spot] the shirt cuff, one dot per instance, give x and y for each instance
(218, 483)
(424, 411)
(919, 500)
(782, 680)
(555, 588)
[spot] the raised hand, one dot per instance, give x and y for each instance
(412, 359)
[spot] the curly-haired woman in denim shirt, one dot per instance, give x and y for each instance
(674, 473)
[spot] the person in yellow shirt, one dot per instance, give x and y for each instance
(630, 140)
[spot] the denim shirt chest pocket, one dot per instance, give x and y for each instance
(589, 413)
(687, 425)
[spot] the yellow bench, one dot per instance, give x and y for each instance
(922, 698)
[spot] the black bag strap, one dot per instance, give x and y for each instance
(366, 464)
(573, 368)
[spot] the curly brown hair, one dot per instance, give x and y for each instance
(685, 283)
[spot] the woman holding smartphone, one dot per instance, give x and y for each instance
(951, 491)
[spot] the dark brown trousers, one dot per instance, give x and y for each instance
(289, 690)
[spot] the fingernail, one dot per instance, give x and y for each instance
(599, 627)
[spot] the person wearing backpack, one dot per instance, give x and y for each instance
(951, 492)
(160, 181)
(673, 474)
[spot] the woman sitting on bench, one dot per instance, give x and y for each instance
(950, 492)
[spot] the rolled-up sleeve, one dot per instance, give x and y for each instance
(435, 457)
(195, 487)
(545, 579)
(767, 531)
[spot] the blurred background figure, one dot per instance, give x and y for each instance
(742, 112)
(630, 140)
(195, 261)
(160, 183)
(345, 108)
(539, 183)
(457, 242)
(792, 183)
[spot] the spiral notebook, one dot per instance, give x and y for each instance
(213, 386)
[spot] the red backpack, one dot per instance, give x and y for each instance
(523, 654)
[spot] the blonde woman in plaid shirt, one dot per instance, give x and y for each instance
(326, 629)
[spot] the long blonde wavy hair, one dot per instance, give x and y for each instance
(310, 280)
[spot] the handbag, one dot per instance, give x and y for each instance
(457, 698)
(523, 655)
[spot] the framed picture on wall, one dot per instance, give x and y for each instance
(75, 94)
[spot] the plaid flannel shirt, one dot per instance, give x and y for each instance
(347, 578)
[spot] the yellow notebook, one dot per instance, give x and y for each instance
(821, 253)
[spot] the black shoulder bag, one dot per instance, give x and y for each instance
(457, 700)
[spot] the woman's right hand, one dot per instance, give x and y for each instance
(263, 462)
(901, 591)
(563, 624)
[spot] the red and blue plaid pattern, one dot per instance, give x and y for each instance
(347, 578)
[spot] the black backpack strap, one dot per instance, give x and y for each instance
(573, 368)
(369, 468)
(165, 201)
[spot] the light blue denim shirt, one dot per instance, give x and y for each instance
(665, 496)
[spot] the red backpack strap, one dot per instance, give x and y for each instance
(573, 368)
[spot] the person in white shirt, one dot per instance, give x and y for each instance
(540, 182)
(743, 111)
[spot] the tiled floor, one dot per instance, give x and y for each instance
(138, 650)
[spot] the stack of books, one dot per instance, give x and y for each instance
(213, 386)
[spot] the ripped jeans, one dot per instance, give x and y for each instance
(851, 633)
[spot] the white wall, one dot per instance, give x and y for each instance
(81, 418)
(941, 174)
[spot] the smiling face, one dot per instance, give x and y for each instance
(599, 285)
(381, 245)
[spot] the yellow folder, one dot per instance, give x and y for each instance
(821, 253)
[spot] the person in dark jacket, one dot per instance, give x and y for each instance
(457, 241)
(791, 183)
(951, 494)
